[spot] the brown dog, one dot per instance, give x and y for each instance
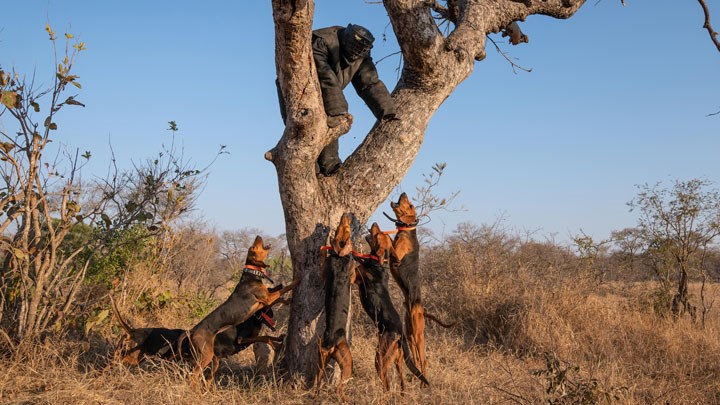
(372, 281)
(249, 296)
(338, 272)
(405, 268)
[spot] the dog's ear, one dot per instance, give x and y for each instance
(385, 245)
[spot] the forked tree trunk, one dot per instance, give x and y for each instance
(433, 67)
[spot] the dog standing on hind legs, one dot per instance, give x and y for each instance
(337, 272)
(249, 296)
(405, 268)
(372, 280)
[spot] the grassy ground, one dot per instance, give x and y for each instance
(570, 344)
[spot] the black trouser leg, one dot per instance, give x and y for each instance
(329, 159)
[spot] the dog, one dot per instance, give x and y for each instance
(337, 272)
(140, 343)
(372, 280)
(249, 296)
(405, 268)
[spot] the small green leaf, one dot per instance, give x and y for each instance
(19, 254)
(76, 84)
(86, 155)
(73, 206)
(96, 319)
(71, 100)
(50, 32)
(10, 99)
(106, 220)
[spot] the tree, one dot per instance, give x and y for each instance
(433, 66)
(679, 223)
(46, 248)
(38, 203)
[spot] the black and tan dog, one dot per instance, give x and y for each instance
(140, 343)
(372, 280)
(405, 268)
(338, 272)
(249, 296)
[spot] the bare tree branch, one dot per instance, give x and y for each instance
(513, 64)
(707, 26)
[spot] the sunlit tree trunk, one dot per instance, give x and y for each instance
(434, 65)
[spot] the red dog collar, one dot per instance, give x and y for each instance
(364, 256)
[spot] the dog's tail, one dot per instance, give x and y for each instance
(179, 344)
(129, 329)
(410, 363)
(439, 322)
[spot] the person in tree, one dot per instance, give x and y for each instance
(342, 56)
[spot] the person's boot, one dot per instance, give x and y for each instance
(329, 160)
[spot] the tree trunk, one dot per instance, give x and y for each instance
(433, 67)
(681, 303)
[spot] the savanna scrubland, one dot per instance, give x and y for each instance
(629, 319)
(537, 322)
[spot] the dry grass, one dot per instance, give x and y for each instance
(533, 328)
(623, 352)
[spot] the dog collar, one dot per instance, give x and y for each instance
(365, 256)
(400, 224)
(330, 250)
(257, 273)
(400, 228)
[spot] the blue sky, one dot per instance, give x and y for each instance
(618, 96)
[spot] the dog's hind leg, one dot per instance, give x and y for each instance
(344, 359)
(415, 319)
(382, 363)
(214, 367)
(202, 346)
(324, 354)
(398, 365)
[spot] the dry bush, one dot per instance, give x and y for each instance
(533, 328)
(531, 300)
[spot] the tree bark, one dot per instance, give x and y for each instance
(434, 65)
